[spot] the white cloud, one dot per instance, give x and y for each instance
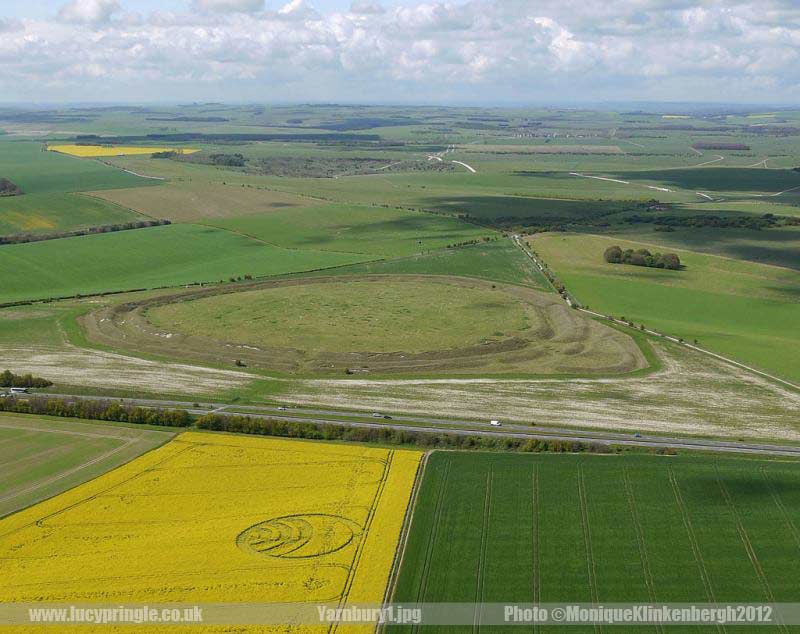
(480, 50)
(228, 6)
(366, 7)
(88, 11)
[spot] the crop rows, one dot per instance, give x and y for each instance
(644, 529)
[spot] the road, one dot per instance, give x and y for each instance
(462, 427)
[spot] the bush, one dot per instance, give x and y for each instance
(613, 255)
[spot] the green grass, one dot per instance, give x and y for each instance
(720, 179)
(41, 457)
(158, 256)
(355, 229)
(53, 213)
(779, 247)
(498, 261)
(37, 171)
(351, 316)
(182, 202)
(744, 310)
(501, 528)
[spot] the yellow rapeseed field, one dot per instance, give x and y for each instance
(216, 518)
(115, 150)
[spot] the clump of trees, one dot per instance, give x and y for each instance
(642, 257)
(228, 160)
(9, 379)
(95, 410)
(167, 154)
(7, 188)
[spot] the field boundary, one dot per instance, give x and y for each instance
(387, 467)
(402, 542)
(437, 516)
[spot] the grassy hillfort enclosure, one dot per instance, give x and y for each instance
(385, 283)
(372, 324)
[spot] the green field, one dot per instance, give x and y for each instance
(358, 316)
(41, 457)
(743, 310)
(374, 231)
(145, 258)
(587, 528)
(779, 247)
(498, 261)
(53, 213)
(37, 171)
(720, 179)
(182, 202)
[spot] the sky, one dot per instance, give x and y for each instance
(478, 52)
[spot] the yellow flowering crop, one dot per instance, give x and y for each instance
(113, 150)
(216, 518)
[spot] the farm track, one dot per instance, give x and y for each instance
(695, 546)
(591, 570)
(640, 541)
(536, 564)
(748, 545)
(776, 498)
(481, 572)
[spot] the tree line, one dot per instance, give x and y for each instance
(389, 436)
(642, 257)
(95, 410)
(20, 238)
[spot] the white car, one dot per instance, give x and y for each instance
(494, 423)
(377, 415)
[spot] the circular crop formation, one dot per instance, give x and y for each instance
(298, 536)
(371, 324)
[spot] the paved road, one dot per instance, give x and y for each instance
(460, 427)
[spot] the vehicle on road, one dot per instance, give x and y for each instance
(377, 415)
(495, 423)
(19, 390)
